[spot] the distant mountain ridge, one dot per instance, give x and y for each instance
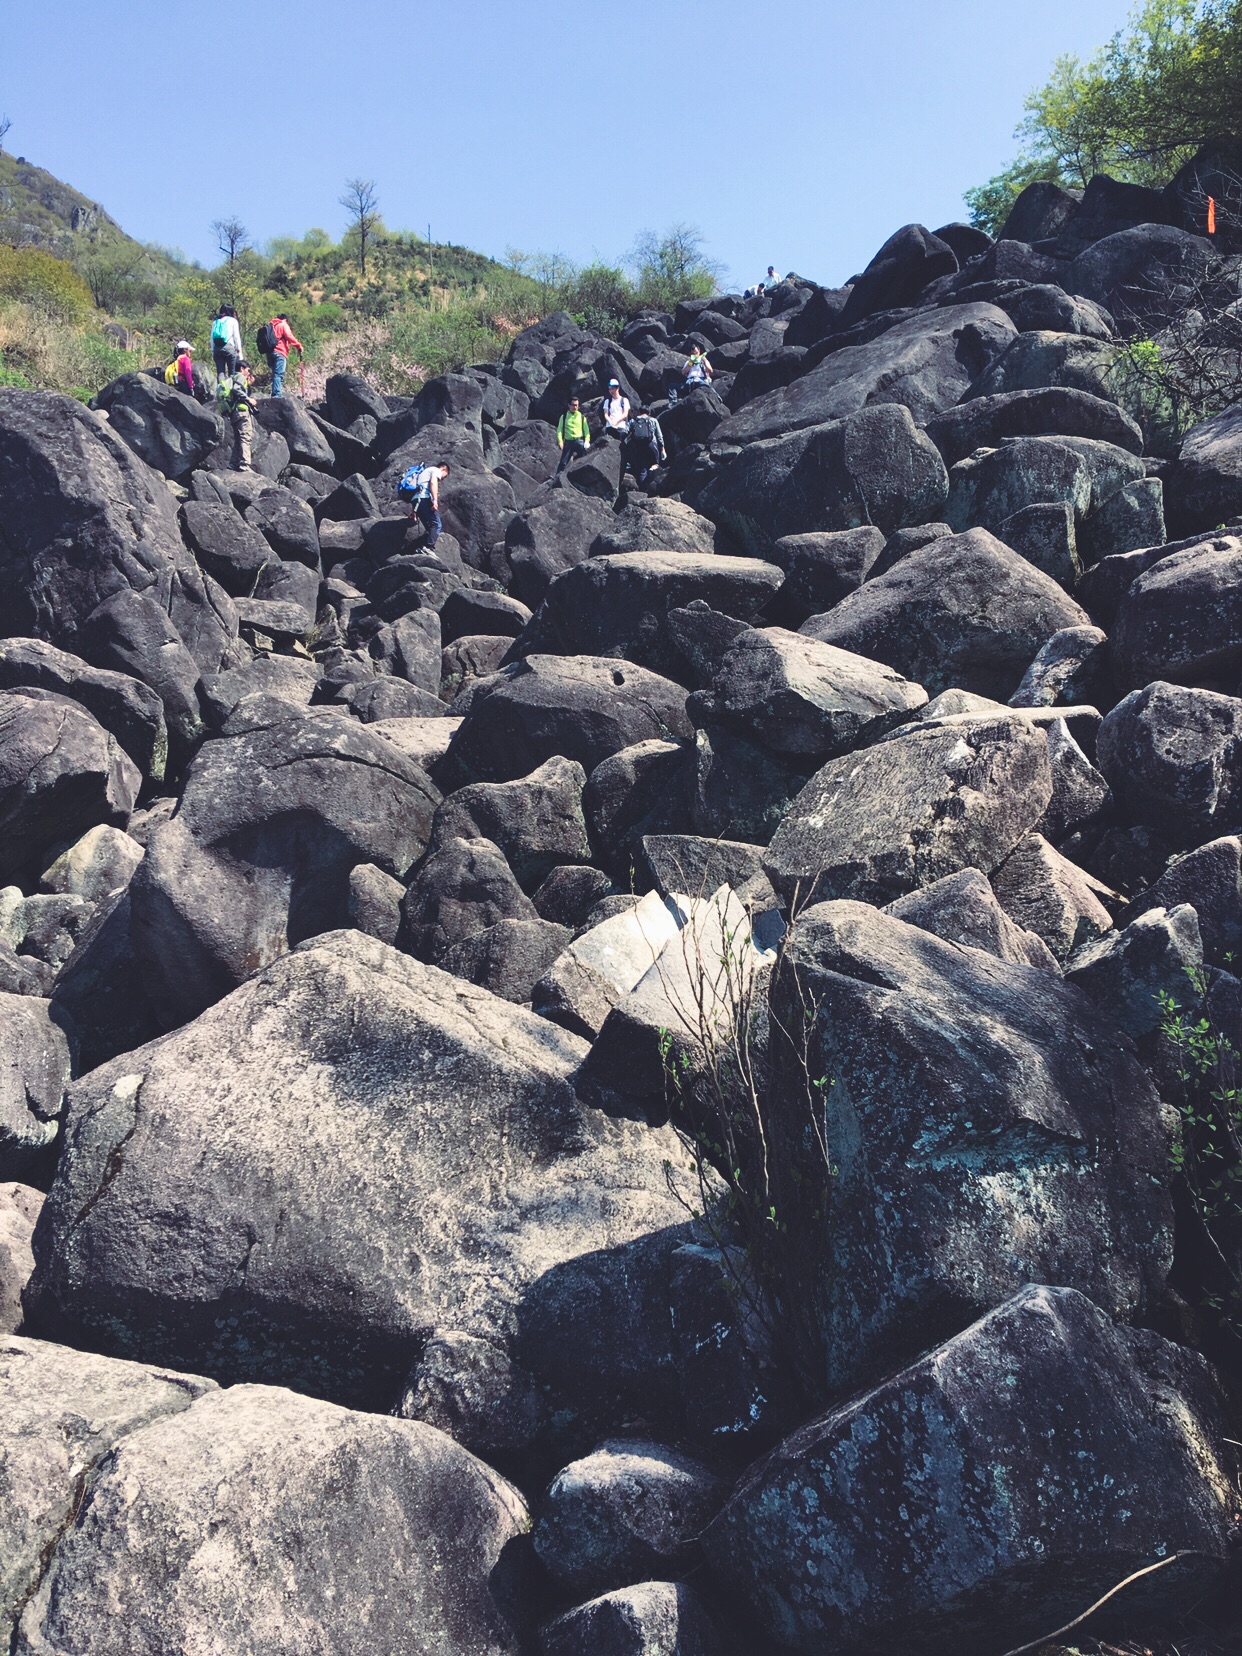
(38, 210)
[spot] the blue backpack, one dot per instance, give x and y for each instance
(415, 485)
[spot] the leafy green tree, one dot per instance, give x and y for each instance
(1168, 82)
(673, 267)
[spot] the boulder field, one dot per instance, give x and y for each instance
(613, 1086)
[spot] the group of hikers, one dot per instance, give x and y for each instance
(637, 429)
(234, 374)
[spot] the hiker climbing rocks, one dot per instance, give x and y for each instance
(644, 447)
(698, 370)
(276, 339)
(233, 401)
(573, 434)
(773, 277)
(616, 409)
(180, 371)
(226, 342)
(420, 489)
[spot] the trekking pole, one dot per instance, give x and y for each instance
(302, 374)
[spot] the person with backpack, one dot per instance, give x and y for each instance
(275, 339)
(233, 401)
(226, 342)
(573, 434)
(180, 371)
(644, 447)
(420, 489)
(698, 370)
(616, 409)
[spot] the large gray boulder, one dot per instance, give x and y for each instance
(985, 1128)
(258, 854)
(83, 518)
(962, 908)
(60, 774)
(1173, 758)
(963, 612)
(19, 1209)
(584, 708)
(551, 536)
(1181, 619)
(165, 428)
(1204, 486)
(871, 467)
(628, 1511)
(315, 1561)
(924, 363)
(440, 1113)
(126, 707)
(912, 809)
(805, 699)
(536, 821)
(618, 605)
(1047, 411)
(654, 1618)
(990, 1492)
(35, 1062)
(61, 1413)
(1209, 880)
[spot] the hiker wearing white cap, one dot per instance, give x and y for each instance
(616, 409)
(180, 371)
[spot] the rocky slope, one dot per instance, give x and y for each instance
(370, 918)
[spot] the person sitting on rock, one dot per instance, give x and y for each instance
(616, 409)
(233, 401)
(426, 501)
(278, 357)
(573, 434)
(698, 370)
(644, 447)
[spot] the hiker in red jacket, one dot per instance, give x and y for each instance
(278, 356)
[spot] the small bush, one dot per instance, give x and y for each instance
(45, 283)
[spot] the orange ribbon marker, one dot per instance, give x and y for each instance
(1211, 216)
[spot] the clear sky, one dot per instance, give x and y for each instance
(801, 132)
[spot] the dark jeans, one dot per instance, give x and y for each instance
(429, 517)
(225, 360)
(641, 457)
(574, 449)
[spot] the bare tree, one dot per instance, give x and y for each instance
(232, 237)
(362, 203)
(5, 124)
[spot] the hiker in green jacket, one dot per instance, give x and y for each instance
(573, 434)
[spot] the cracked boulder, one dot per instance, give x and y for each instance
(444, 1169)
(536, 820)
(990, 1492)
(315, 1560)
(127, 708)
(985, 1127)
(61, 1413)
(258, 853)
(168, 430)
(910, 810)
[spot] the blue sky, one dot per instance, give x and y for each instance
(799, 133)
